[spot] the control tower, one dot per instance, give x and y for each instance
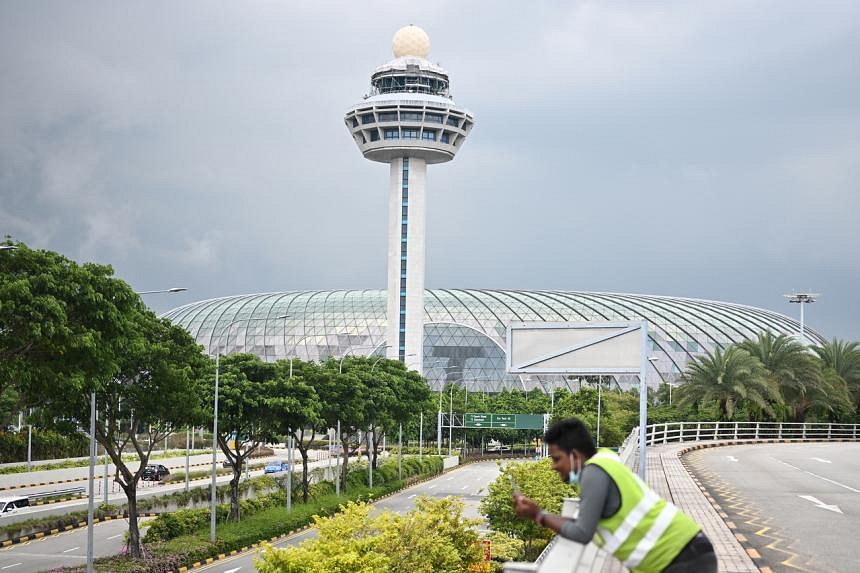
(408, 120)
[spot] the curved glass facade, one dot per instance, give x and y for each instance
(464, 332)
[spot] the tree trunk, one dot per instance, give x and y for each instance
(234, 492)
(304, 475)
(134, 547)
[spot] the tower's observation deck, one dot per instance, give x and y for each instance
(408, 120)
(409, 111)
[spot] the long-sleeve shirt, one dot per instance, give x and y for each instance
(599, 497)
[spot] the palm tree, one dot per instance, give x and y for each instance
(732, 378)
(789, 365)
(843, 358)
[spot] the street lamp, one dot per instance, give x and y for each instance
(802, 298)
(8, 248)
(170, 290)
(225, 329)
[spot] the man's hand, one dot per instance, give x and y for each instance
(524, 507)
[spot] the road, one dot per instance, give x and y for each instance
(69, 547)
(466, 482)
(115, 495)
(797, 505)
(65, 549)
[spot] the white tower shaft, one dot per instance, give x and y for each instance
(406, 252)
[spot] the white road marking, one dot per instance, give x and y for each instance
(232, 570)
(432, 486)
(818, 503)
(10, 566)
(72, 549)
(450, 478)
(822, 460)
(411, 496)
(115, 536)
(465, 486)
(848, 487)
(732, 458)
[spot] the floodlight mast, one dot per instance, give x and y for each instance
(802, 298)
(409, 121)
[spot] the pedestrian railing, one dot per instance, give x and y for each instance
(674, 432)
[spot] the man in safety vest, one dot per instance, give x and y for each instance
(618, 511)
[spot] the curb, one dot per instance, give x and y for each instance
(57, 531)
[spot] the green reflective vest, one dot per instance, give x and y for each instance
(647, 532)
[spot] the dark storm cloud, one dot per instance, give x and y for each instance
(696, 149)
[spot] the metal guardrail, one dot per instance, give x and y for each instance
(674, 432)
(71, 491)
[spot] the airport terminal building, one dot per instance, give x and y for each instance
(465, 330)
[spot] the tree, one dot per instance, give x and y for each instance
(298, 411)
(789, 366)
(341, 395)
(537, 481)
(72, 330)
(843, 358)
(245, 413)
(731, 378)
(60, 320)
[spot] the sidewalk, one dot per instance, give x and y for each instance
(668, 477)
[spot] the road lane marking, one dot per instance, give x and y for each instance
(10, 566)
(432, 486)
(822, 460)
(818, 503)
(72, 549)
(232, 570)
(411, 496)
(115, 536)
(465, 486)
(848, 487)
(732, 458)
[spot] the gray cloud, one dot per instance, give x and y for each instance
(704, 150)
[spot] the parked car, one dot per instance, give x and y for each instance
(17, 504)
(276, 466)
(155, 472)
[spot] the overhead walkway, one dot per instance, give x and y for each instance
(666, 474)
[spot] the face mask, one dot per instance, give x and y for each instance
(573, 476)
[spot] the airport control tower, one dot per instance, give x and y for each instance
(409, 120)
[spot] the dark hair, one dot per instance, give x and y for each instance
(571, 434)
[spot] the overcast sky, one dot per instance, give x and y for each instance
(696, 149)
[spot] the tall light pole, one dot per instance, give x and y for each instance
(802, 298)
(225, 329)
(8, 248)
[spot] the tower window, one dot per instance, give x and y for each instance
(354, 122)
(388, 116)
(391, 134)
(429, 135)
(374, 135)
(453, 121)
(410, 115)
(444, 138)
(367, 118)
(410, 134)
(433, 118)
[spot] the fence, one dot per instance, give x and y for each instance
(674, 432)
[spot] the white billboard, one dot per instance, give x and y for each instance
(575, 347)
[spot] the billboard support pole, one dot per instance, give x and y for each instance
(643, 399)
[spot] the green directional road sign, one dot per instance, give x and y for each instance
(477, 421)
(504, 421)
